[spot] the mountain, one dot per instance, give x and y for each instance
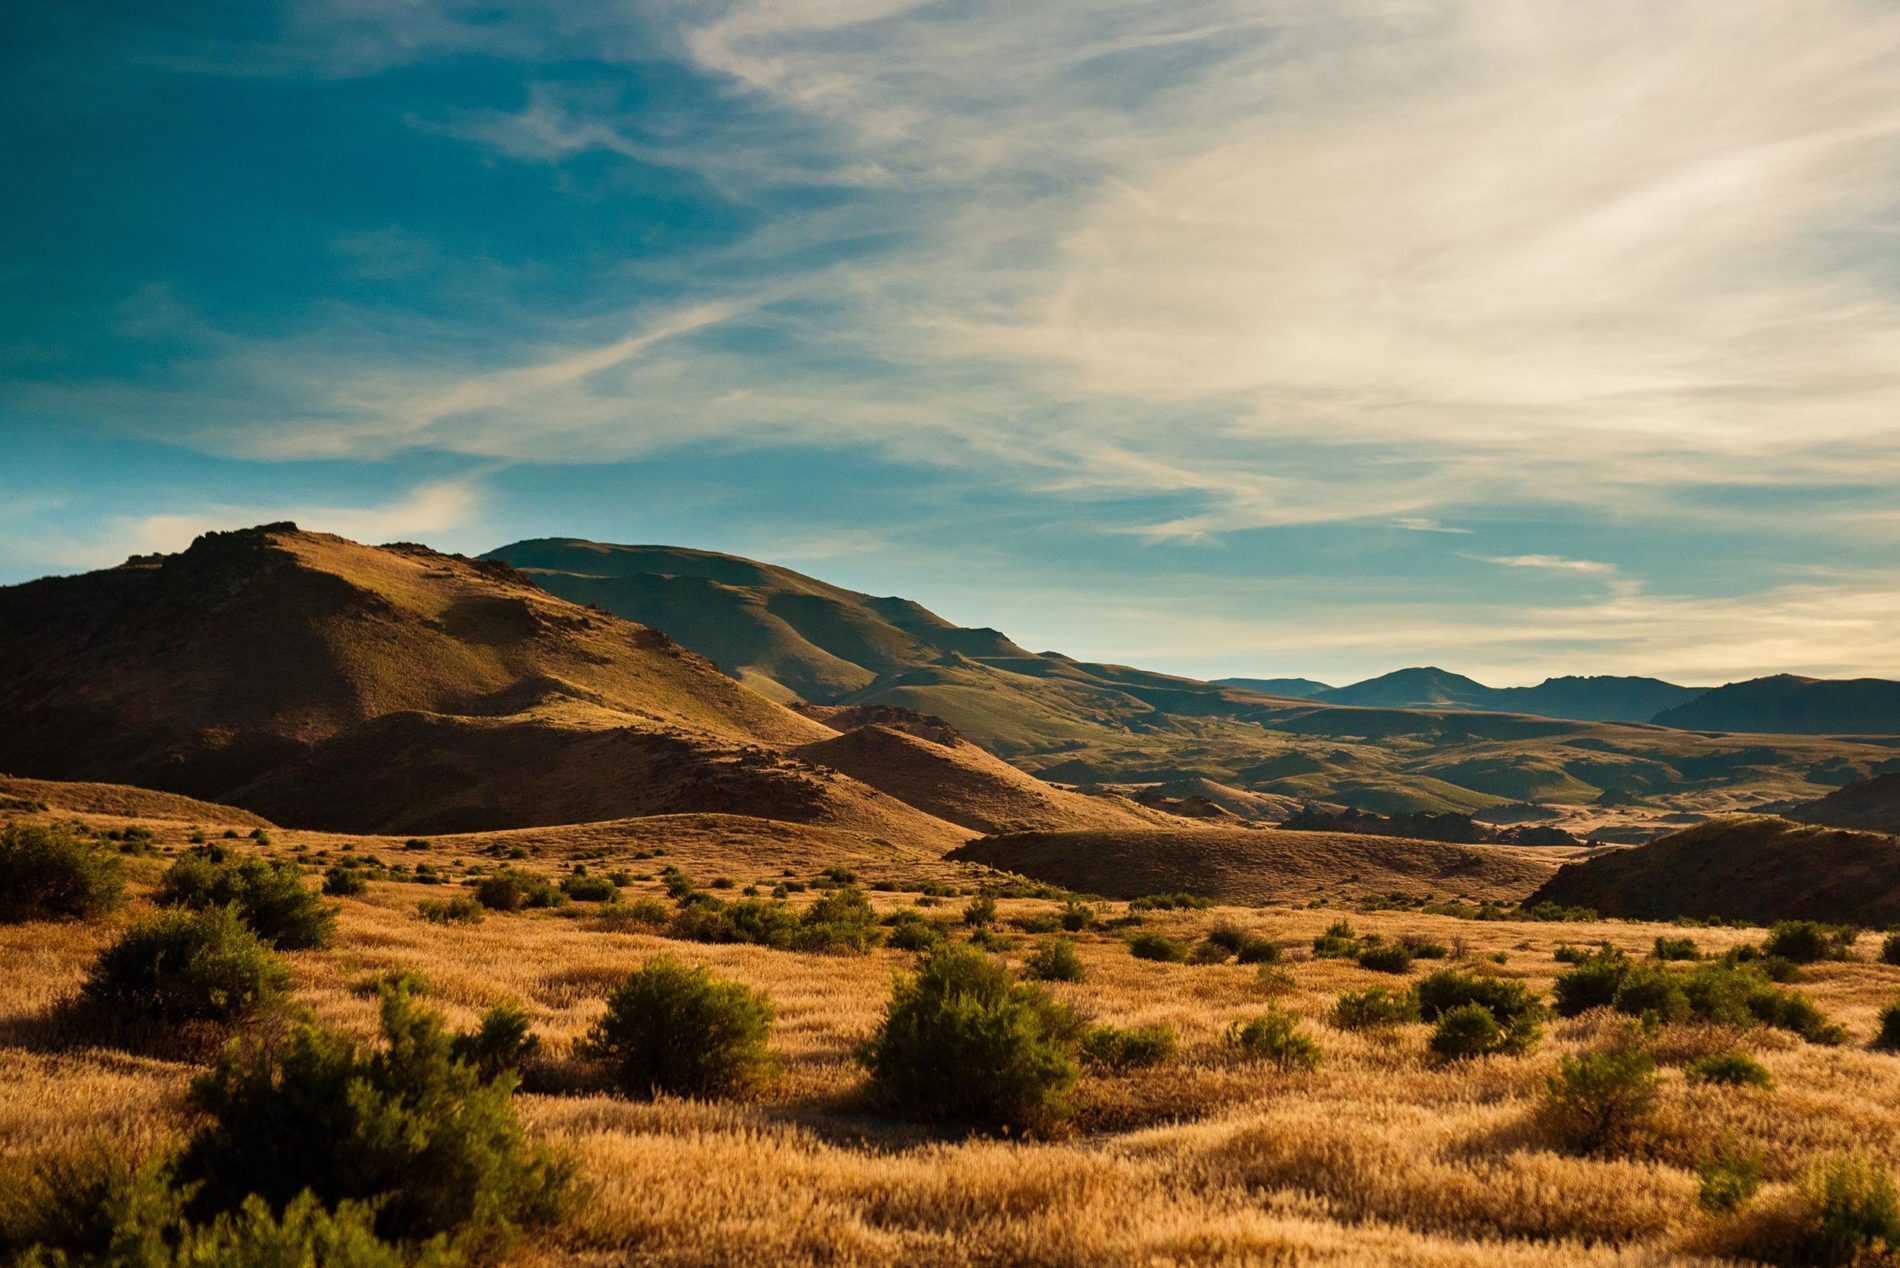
(1757, 868)
(1292, 688)
(1592, 699)
(1786, 704)
(1441, 744)
(1871, 804)
(324, 683)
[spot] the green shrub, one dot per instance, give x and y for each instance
(1675, 949)
(50, 872)
(344, 882)
(1424, 948)
(1729, 1069)
(1158, 946)
(410, 1130)
(1275, 1036)
(1115, 1048)
(512, 890)
(1339, 942)
(1591, 982)
(1386, 957)
(1468, 1030)
(1375, 1009)
(502, 1044)
(1170, 902)
(1795, 1012)
(671, 1028)
(589, 889)
(1258, 951)
(980, 912)
(1890, 949)
(1726, 1180)
(962, 1042)
(1806, 941)
(1598, 1102)
(1513, 1008)
(1888, 1037)
(1077, 916)
(1853, 1213)
(842, 920)
(459, 910)
(1056, 961)
(1227, 936)
(911, 932)
(1208, 952)
(269, 895)
(1652, 994)
(176, 967)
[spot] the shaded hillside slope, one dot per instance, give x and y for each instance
(1791, 705)
(1259, 865)
(959, 782)
(1758, 867)
(326, 683)
(1871, 804)
(125, 801)
(1183, 796)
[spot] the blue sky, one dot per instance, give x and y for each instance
(1229, 338)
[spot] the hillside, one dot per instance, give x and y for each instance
(1292, 688)
(1260, 865)
(1475, 750)
(1792, 705)
(325, 683)
(1758, 868)
(955, 780)
(121, 800)
(1872, 805)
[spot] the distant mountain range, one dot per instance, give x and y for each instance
(1599, 699)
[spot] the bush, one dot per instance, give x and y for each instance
(1386, 957)
(1514, 1010)
(1339, 942)
(1597, 1102)
(1729, 1069)
(1056, 961)
(1793, 1011)
(1888, 1037)
(511, 890)
(1468, 1030)
(842, 920)
(1158, 946)
(1228, 937)
(1276, 1036)
(1077, 916)
(344, 882)
(1653, 994)
(590, 889)
(460, 910)
(1890, 949)
(1806, 941)
(178, 967)
(1375, 1009)
(670, 1028)
(502, 1044)
(1727, 1180)
(1424, 948)
(962, 1042)
(911, 932)
(1852, 1210)
(1592, 982)
(980, 912)
(1258, 951)
(419, 1136)
(269, 895)
(52, 873)
(1116, 1049)
(1169, 902)
(1675, 949)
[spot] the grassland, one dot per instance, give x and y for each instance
(1380, 1155)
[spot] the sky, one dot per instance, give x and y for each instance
(1277, 337)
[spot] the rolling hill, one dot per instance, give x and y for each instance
(1259, 865)
(1791, 705)
(1871, 804)
(1758, 868)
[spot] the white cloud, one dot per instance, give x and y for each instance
(1552, 563)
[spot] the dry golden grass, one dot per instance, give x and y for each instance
(1379, 1156)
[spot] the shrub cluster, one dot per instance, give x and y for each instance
(962, 1042)
(459, 910)
(51, 872)
(1158, 946)
(1725, 992)
(513, 890)
(1476, 1016)
(674, 1029)
(841, 920)
(268, 894)
(1729, 1069)
(1806, 941)
(1115, 1048)
(1275, 1036)
(1375, 1009)
(1597, 1102)
(178, 967)
(1055, 961)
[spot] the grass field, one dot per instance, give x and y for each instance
(1381, 1154)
